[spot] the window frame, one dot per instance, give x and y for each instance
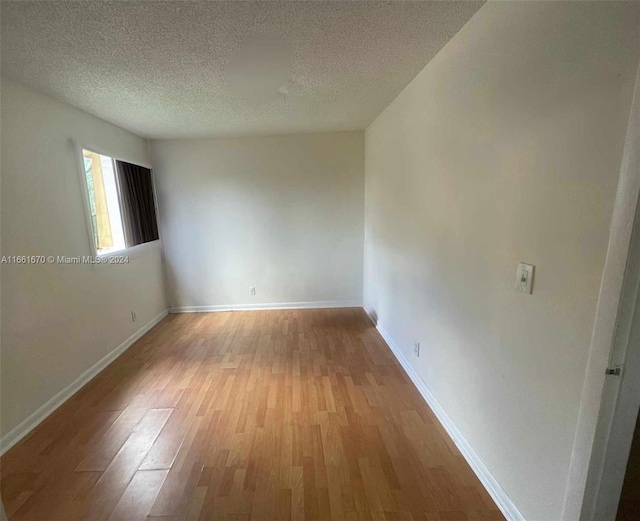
(131, 251)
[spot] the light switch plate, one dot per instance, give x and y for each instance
(524, 278)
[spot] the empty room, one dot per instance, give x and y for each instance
(319, 260)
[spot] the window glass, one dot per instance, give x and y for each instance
(104, 202)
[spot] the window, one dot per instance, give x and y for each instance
(121, 205)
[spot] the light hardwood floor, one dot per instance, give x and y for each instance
(265, 415)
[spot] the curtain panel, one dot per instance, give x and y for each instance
(137, 203)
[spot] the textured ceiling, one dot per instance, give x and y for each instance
(199, 69)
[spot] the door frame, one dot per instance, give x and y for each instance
(593, 443)
(621, 400)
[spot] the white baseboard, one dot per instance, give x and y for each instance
(17, 433)
(278, 305)
(494, 489)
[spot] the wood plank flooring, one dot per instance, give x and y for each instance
(246, 416)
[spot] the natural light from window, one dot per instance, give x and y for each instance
(104, 203)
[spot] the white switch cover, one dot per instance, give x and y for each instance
(524, 278)
(252, 290)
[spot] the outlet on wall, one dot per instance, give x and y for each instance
(252, 290)
(134, 316)
(416, 348)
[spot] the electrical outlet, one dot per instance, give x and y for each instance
(252, 290)
(416, 348)
(134, 316)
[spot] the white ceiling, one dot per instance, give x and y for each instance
(166, 69)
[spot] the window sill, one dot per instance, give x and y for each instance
(116, 258)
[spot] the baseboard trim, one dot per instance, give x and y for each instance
(492, 486)
(16, 434)
(321, 304)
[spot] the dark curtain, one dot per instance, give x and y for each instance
(138, 206)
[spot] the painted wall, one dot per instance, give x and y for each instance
(58, 320)
(505, 148)
(284, 214)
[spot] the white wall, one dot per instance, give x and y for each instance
(59, 320)
(505, 148)
(284, 214)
